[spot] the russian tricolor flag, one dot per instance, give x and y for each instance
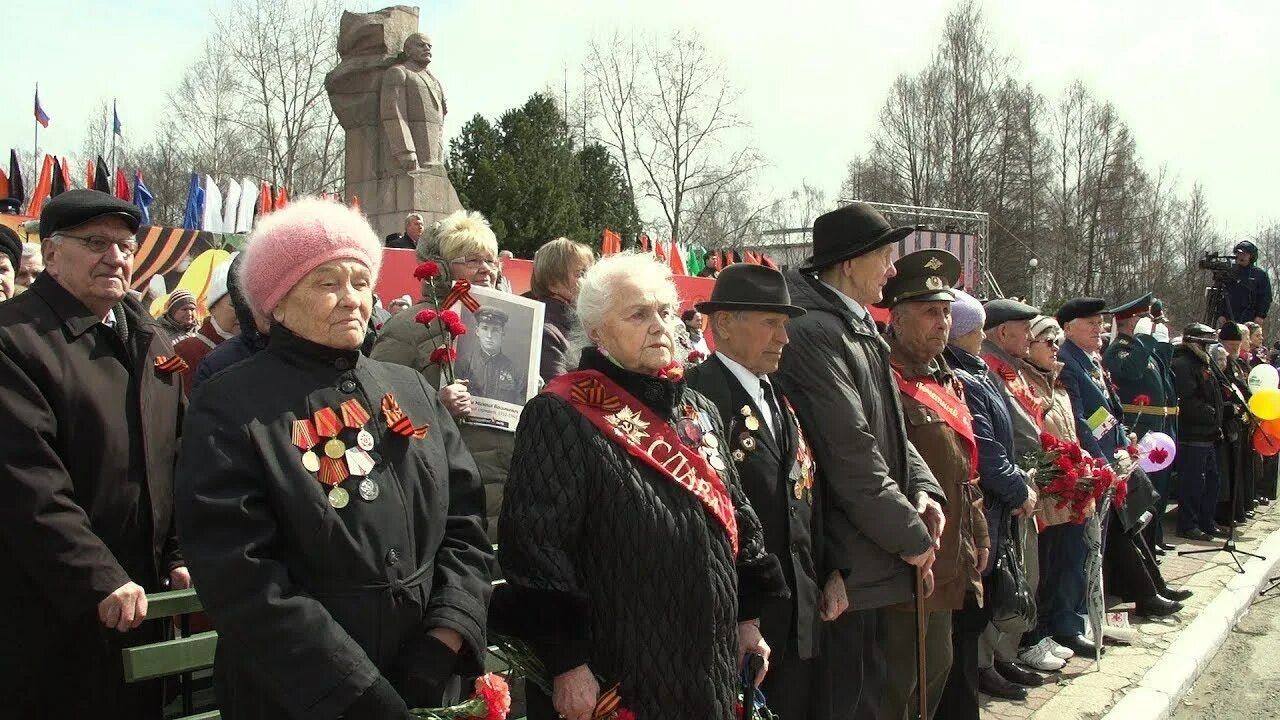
(41, 116)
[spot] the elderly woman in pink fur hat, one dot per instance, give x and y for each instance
(328, 509)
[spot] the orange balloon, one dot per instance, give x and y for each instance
(1272, 427)
(1265, 443)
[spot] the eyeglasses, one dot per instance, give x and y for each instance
(98, 244)
(1051, 341)
(474, 262)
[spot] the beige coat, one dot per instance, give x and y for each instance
(1059, 421)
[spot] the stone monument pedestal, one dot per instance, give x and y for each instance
(427, 192)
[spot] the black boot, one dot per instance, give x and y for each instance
(1156, 606)
(993, 683)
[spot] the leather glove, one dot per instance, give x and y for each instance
(1143, 327)
(423, 670)
(379, 701)
(1161, 333)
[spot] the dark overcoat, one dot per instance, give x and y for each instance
(91, 427)
(312, 603)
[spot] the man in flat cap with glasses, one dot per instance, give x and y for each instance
(91, 403)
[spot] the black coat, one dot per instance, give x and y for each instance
(1248, 294)
(313, 603)
(557, 326)
(1200, 406)
(90, 429)
(768, 473)
(611, 564)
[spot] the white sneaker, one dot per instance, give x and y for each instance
(1040, 657)
(1058, 651)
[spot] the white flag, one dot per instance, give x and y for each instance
(248, 198)
(231, 207)
(212, 221)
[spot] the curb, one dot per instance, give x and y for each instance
(1166, 682)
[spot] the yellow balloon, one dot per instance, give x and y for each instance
(1265, 404)
(198, 274)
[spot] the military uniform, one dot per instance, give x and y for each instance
(492, 376)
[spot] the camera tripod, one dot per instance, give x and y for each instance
(1228, 544)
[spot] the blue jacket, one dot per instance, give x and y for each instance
(1004, 484)
(1087, 397)
(1249, 292)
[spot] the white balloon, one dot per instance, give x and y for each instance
(1264, 376)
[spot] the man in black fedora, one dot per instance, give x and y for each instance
(749, 311)
(881, 505)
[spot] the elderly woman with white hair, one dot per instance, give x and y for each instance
(631, 555)
(326, 505)
(467, 250)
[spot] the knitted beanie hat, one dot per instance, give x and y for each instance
(967, 314)
(179, 299)
(290, 243)
(1043, 324)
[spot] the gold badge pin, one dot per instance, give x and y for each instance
(752, 423)
(338, 498)
(933, 282)
(335, 448)
(311, 461)
(745, 411)
(716, 462)
(710, 441)
(933, 264)
(739, 456)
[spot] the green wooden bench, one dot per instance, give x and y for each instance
(191, 653)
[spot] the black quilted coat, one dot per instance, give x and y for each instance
(611, 564)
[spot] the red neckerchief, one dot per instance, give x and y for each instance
(647, 437)
(953, 410)
(1019, 390)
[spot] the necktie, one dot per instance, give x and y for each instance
(776, 427)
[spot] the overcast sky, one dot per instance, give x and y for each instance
(1198, 81)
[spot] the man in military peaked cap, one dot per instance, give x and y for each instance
(88, 521)
(939, 425)
(882, 514)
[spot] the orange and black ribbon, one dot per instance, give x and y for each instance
(398, 422)
(461, 292)
(170, 365)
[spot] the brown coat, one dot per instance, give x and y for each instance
(955, 572)
(1060, 422)
(194, 349)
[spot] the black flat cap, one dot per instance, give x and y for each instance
(77, 207)
(923, 276)
(1003, 310)
(844, 234)
(743, 286)
(11, 245)
(1079, 308)
(1230, 331)
(10, 206)
(1200, 333)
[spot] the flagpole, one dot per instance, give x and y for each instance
(35, 142)
(113, 135)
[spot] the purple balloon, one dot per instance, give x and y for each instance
(1156, 451)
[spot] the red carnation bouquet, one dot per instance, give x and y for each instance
(491, 700)
(1074, 481)
(444, 355)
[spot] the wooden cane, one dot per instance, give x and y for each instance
(922, 621)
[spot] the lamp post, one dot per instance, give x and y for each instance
(1034, 263)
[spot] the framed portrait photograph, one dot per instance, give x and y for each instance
(499, 356)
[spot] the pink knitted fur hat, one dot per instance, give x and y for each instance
(289, 243)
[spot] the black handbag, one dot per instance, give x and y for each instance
(1007, 594)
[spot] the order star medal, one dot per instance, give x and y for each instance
(628, 423)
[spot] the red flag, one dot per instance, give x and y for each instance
(264, 199)
(282, 198)
(355, 202)
(768, 262)
(89, 170)
(677, 261)
(43, 185)
(659, 251)
(611, 243)
(122, 186)
(644, 242)
(4, 185)
(66, 173)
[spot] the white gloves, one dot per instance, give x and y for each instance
(1143, 327)
(1161, 333)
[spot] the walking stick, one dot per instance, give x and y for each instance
(922, 620)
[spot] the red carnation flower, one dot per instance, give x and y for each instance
(427, 270)
(425, 316)
(497, 696)
(696, 357)
(1142, 399)
(453, 323)
(442, 354)
(1048, 442)
(1122, 492)
(626, 714)
(1133, 451)
(1063, 463)
(1159, 455)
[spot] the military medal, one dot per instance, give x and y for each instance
(364, 439)
(799, 491)
(332, 470)
(748, 442)
(311, 461)
(338, 498)
(689, 430)
(335, 448)
(327, 423)
(353, 414)
(359, 462)
(711, 441)
(369, 490)
(739, 456)
(716, 462)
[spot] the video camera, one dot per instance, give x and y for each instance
(1220, 265)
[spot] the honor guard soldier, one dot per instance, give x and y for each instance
(1138, 361)
(939, 425)
(749, 310)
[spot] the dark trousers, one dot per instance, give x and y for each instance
(1062, 582)
(1129, 569)
(52, 669)
(1197, 487)
(960, 695)
(1267, 483)
(792, 687)
(902, 687)
(853, 665)
(1163, 483)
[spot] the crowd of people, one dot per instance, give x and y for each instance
(771, 480)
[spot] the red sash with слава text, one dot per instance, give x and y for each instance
(953, 411)
(1019, 388)
(645, 436)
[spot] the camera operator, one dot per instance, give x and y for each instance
(1248, 289)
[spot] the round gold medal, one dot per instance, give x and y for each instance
(752, 423)
(335, 448)
(716, 462)
(710, 441)
(311, 461)
(338, 498)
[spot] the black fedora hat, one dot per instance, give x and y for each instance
(853, 230)
(743, 286)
